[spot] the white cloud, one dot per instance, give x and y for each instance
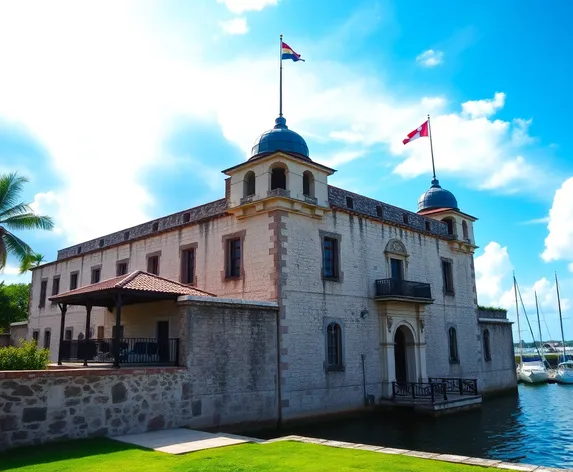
(103, 117)
(235, 26)
(536, 221)
(571, 267)
(492, 269)
(559, 241)
(339, 158)
(241, 6)
(487, 107)
(11, 275)
(430, 58)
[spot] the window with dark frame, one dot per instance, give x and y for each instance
(35, 336)
(73, 280)
(233, 257)
(379, 212)
(153, 265)
(47, 339)
(450, 224)
(121, 268)
(68, 334)
(188, 266)
(249, 184)
(486, 346)
(330, 267)
(56, 285)
(448, 277)
(278, 178)
(96, 274)
(308, 184)
(428, 226)
(154, 226)
(334, 346)
(100, 332)
(405, 218)
(43, 290)
(349, 202)
(453, 345)
(186, 217)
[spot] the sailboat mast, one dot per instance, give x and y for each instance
(538, 322)
(560, 318)
(518, 323)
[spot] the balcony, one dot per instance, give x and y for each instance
(403, 290)
(278, 192)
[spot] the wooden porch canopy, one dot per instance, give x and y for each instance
(135, 287)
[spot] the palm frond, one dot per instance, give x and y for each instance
(10, 188)
(31, 260)
(3, 252)
(15, 245)
(28, 221)
(18, 209)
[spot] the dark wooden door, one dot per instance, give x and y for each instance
(400, 360)
(163, 340)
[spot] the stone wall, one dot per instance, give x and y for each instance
(43, 406)
(4, 339)
(18, 331)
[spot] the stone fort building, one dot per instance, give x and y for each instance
(319, 297)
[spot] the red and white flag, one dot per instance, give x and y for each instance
(417, 133)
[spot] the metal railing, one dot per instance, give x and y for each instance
(131, 351)
(457, 386)
(424, 391)
(278, 192)
(402, 288)
(309, 199)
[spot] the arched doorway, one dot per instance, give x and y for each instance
(404, 356)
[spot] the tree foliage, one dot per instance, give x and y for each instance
(14, 300)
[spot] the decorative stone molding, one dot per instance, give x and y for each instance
(396, 246)
(389, 321)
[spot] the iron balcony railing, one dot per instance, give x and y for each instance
(131, 351)
(387, 288)
(278, 192)
(457, 386)
(422, 391)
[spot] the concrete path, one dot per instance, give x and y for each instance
(181, 440)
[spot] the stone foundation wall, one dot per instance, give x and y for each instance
(37, 407)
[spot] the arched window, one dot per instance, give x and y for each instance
(249, 184)
(465, 229)
(308, 183)
(450, 222)
(486, 346)
(453, 345)
(278, 178)
(334, 346)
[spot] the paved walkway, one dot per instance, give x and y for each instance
(181, 440)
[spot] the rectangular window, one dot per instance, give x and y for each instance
(73, 280)
(68, 334)
(188, 266)
(56, 285)
(330, 258)
(350, 202)
(121, 268)
(153, 265)
(100, 332)
(96, 274)
(43, 290)
(35, 336)
(234, 257)
(47, 339)
(448, 277)
(334, 346)
(396, 269)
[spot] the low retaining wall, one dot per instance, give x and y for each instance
(42, 406)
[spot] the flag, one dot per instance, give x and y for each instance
(288, 53)
(419, 132)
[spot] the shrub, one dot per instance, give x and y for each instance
(25, 357)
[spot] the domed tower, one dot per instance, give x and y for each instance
(279, 174)
(441, 204)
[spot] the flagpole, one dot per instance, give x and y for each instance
(281, 77)
(431, 145)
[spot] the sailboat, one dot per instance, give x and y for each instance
(564, 372)
(528, 372)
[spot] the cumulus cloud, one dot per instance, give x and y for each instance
(235, 26)
(241, 6)
(492, 269)
(559, 241)
(430, 58)
(487, 107)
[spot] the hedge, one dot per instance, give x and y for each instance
(25, 357)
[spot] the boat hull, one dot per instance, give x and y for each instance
(533, 377)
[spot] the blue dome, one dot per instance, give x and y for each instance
(280, 138)
(437, 197)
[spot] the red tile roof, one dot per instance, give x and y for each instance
(138, 280)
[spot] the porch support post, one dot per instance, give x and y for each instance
(63, 309)
(87, 336)
(117, 337)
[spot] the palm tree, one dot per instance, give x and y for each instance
(16, 216)
(33, 259)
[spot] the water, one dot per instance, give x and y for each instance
(534, 427)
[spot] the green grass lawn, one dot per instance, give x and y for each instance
(113, 456)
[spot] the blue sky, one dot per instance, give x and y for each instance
(122, 112)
